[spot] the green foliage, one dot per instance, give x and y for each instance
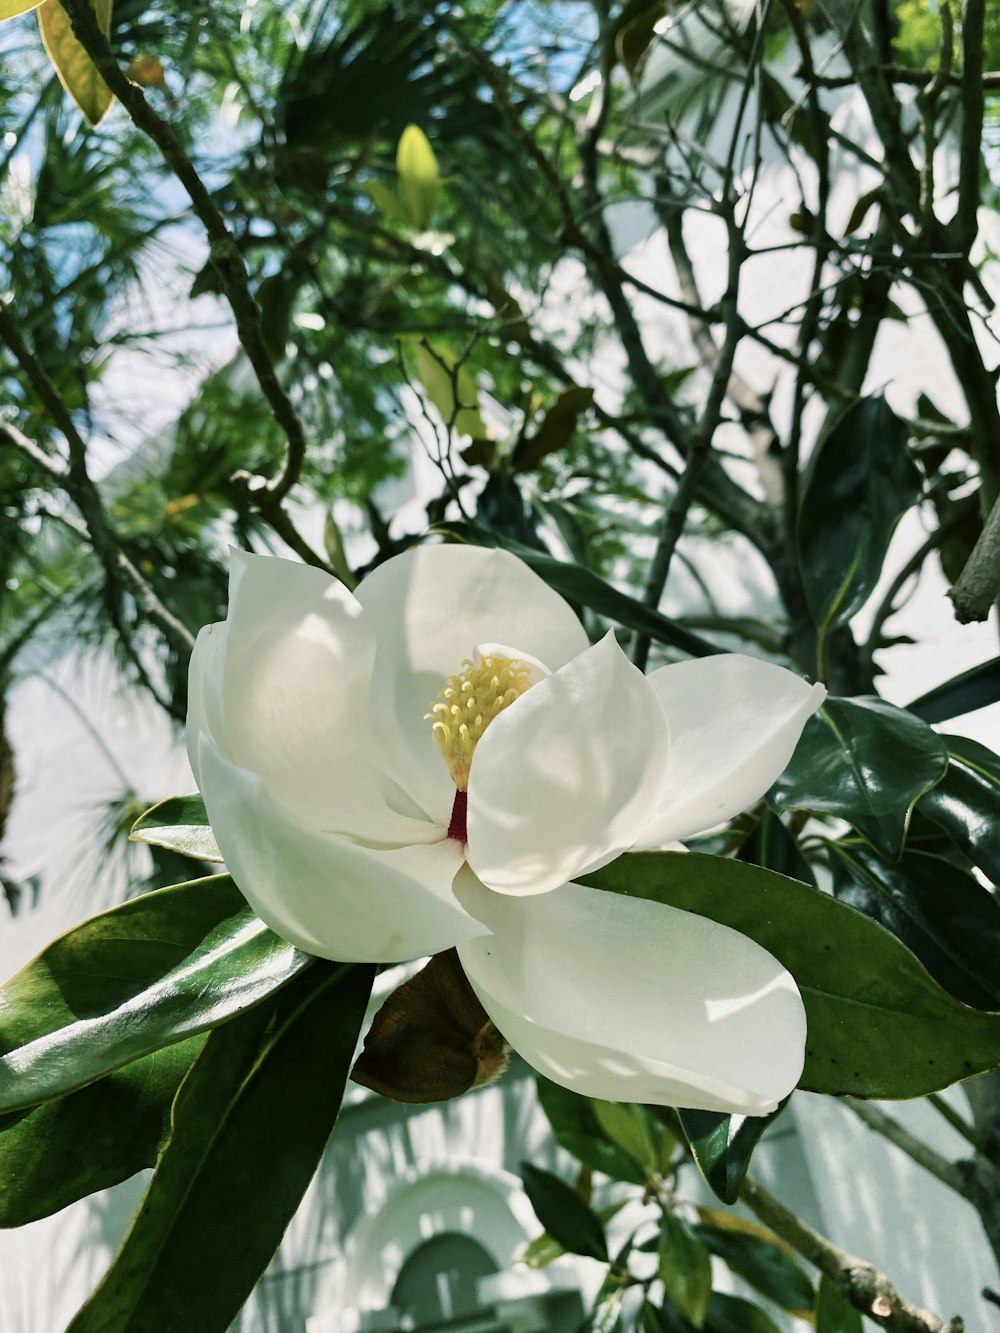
(563, 1214)
(867, 762)
(860, 482)
(132, 980)
(249, 1125)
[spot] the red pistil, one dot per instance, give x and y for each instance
(456, 829)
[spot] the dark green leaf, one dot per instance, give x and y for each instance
(579, 585)
(965, 693)
(722, 1146)
(576, 1128)
(685, 1268)
(834, 1312)
(130, 981)
(179, 824)
(563, 1214)
(944, 915)
(250, 1123)
(63, 1150)
(544, 1250)
(966, 803)
(768, 1268)
(860, 482)
(555, 430)
(879, 1026)
(732, 1314)
(867, 762)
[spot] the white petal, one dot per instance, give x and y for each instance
(630, 1000)
(325, 894)
(567, 776)
(429, 608)
(298, 663)
(734, 722)
(205, 714)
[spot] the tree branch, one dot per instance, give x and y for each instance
(75, 480)
(867, 1289)
(223, 250)
(978, 587)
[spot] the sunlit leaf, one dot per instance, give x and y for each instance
(132, 980)
(77, 72)
(419, 176)
(684, 1268)
(451, 388)
(180, 824)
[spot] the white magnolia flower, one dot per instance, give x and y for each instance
(430, 761)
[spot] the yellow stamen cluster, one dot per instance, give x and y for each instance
(467, 705)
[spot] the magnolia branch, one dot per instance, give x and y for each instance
(223, 250)
(978, 587)
(867, 1289)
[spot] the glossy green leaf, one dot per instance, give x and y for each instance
(722, 1145)
(732, 1314)
(971, 690)
(834, 1312)
(544, 1250)
(630, 1127)
(942, 914)
(867, 762)
(132, 980)
(684, 1268)
(859, 483)
(250, 1123)
(63, 1150)
(555, 430)
(966, 803)
(563, 1214)
(419, 176)
(180, 824)
(879, 1025)
(576, 1128)
(763, 1264)
(581, 586)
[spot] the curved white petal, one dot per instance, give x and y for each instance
(325, 894)
(567, 776)
(205, 714)
(297, 676)
(429, 608)
(734, 722)
(627, 999)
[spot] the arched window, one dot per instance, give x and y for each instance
(437, 1283)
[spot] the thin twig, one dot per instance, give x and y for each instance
(867, 1289)
(958, 1123)
(916, 1149)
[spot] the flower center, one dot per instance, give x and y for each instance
(469, 702)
